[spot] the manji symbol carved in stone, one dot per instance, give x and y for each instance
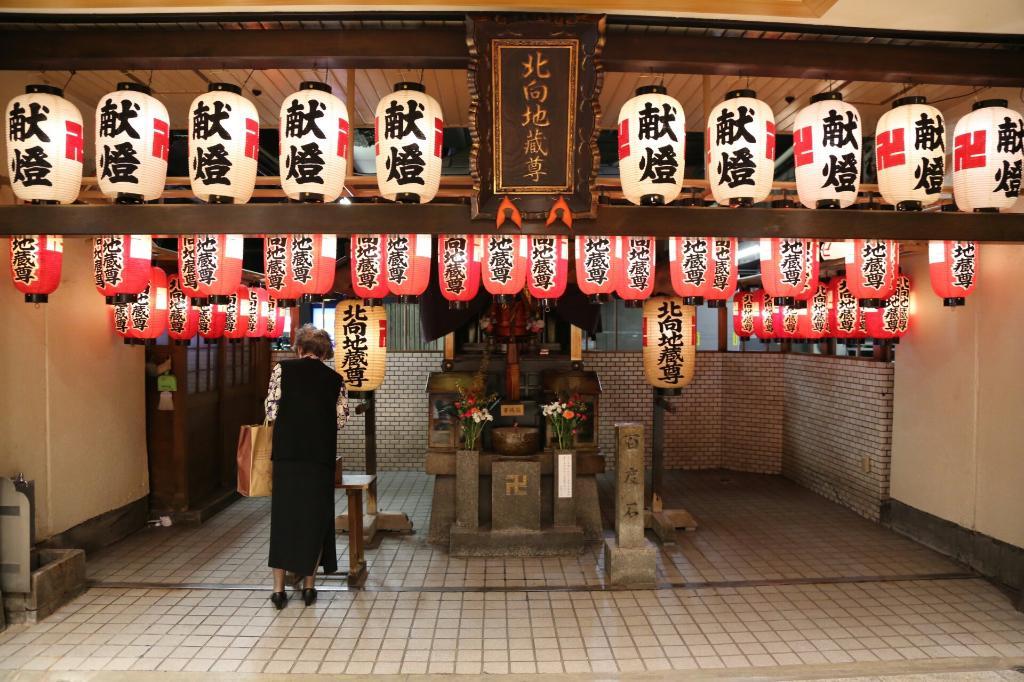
(515, 484)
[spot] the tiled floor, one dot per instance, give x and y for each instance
(778, 582)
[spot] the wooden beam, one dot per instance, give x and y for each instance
(445, 48)
(437, 218)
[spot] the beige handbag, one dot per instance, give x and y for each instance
(255, 470)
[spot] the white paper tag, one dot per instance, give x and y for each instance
(936, 252)
(142, 246)
(565, 475)
(233, 248)
(423, 245)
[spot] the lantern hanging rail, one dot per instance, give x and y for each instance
(454, 218)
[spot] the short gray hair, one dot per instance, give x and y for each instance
(313, 341)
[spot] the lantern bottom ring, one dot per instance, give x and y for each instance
(128, 198)
(200, 301)
(109, 300)
(220, 199)
(652, 200)
(407, 198)
(36, 298)
(219, 300)
(741, 202)
(871, 302)
(668, 391)
(954, 301)
(504, 300)
(634, 303)
(827, 203)
(909, 206)
(126, 298)
(598, 299)
(408, 298)
(784, 300)
(311, 198)
(798, 305)
(312, 298)
(458, 305)
(715, 303)
(182, 342)
(693, 300)
(546, 304)
(987, 209)
(373, 302)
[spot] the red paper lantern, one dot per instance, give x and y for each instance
(368, 264)
(745, 312)
(211, 320)
(814, 323)
(786, 321)
(277, 269)
(408, 271)
(789, 267)
(598, 260)
(953, 268)
(504, 265)
(236, 314)
(35, 265)
(764, 321)
(120, 320)
(188, 277)
(458, 268)
(275, 319)
(892, 321)
(636, 276)
(725, 272)
(844, 314)
(311, 263)
(218, 265)
(691, 267)
(256, 325)
(149, 311)
(548, 272)
(872, 266)
(126, 261)
(182, 317)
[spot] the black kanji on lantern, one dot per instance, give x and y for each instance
(305, 164)
(737, 168)
(929, 175)
(456, 258)
(406, 164)
(399, 121)
(114, 121)
(1008, 178)
(1011, 136)
(841, 172)
(839, 133)
(299, 122)
(670, 342)
(212, 165)
(655, 125)
(23, 127)
(730, 127)
(31, 167)
(398, 259)
(119, 163)
(929, 132)
(206, 123)
(659, 165)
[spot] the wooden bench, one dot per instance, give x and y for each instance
(354, 485)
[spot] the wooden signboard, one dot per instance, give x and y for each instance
(534, 82)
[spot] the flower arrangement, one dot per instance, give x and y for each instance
(535, 325)
(565, 416)
(473, 411)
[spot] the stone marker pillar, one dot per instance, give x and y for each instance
(467, 488)
(515, 494)
(564, 466)
(628, 558)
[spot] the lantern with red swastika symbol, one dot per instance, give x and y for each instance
(44, 146)
(223, 145)
(988, 153)
(36, 264)
(910, 151)
(953, 269)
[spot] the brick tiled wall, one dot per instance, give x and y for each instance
(837, 429)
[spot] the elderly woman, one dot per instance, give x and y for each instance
(308, 404)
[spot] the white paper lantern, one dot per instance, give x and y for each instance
(740, 146)
(132, 141)
(910, 152)
(409, 131)
(652, 146)
(827, 152)
(44, 146)
(988, 153)
(223, 145)
(314, 135)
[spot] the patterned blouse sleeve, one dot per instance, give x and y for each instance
(273, 394)
(342, 407)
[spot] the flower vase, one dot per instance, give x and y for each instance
(467, 488)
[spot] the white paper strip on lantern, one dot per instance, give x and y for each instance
(827, 152)
(910, 152)
(740, 149)
(988, 153)
(409, 131)
(314, 133)
(223, 145)
(652, 145)
(132, 142)
(44, 146)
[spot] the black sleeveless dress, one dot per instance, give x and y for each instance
(304, 452)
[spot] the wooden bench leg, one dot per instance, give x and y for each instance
(356, 563)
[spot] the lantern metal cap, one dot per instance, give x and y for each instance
(833, 95)
(220, 199)
(315, 85)
(693, 300)
(130, 86)
(986, 103)
(987, 209)
(458, 305)
(409, 85)
(913, 99)
(909, 206)
(783, 203)
(407, 198)
(714, 303)
(634, 303)
(224, 87)
(36, 298)
(668, 392)
(652, 200)
(827, 204)
(652, 90)
(741, 202)
(310, 198)
(42, 88)
(736, 94)
(954, 301)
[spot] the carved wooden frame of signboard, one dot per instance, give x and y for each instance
(573, 42)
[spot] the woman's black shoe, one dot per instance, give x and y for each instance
(279, 600)
(309, 595)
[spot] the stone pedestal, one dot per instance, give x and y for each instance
(564, 500)
(467, 488)
(629, 560)
(515, 494)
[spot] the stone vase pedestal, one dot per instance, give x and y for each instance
(467, 488)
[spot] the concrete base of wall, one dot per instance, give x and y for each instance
(60, 578)
(992, 558)
(102, 530)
